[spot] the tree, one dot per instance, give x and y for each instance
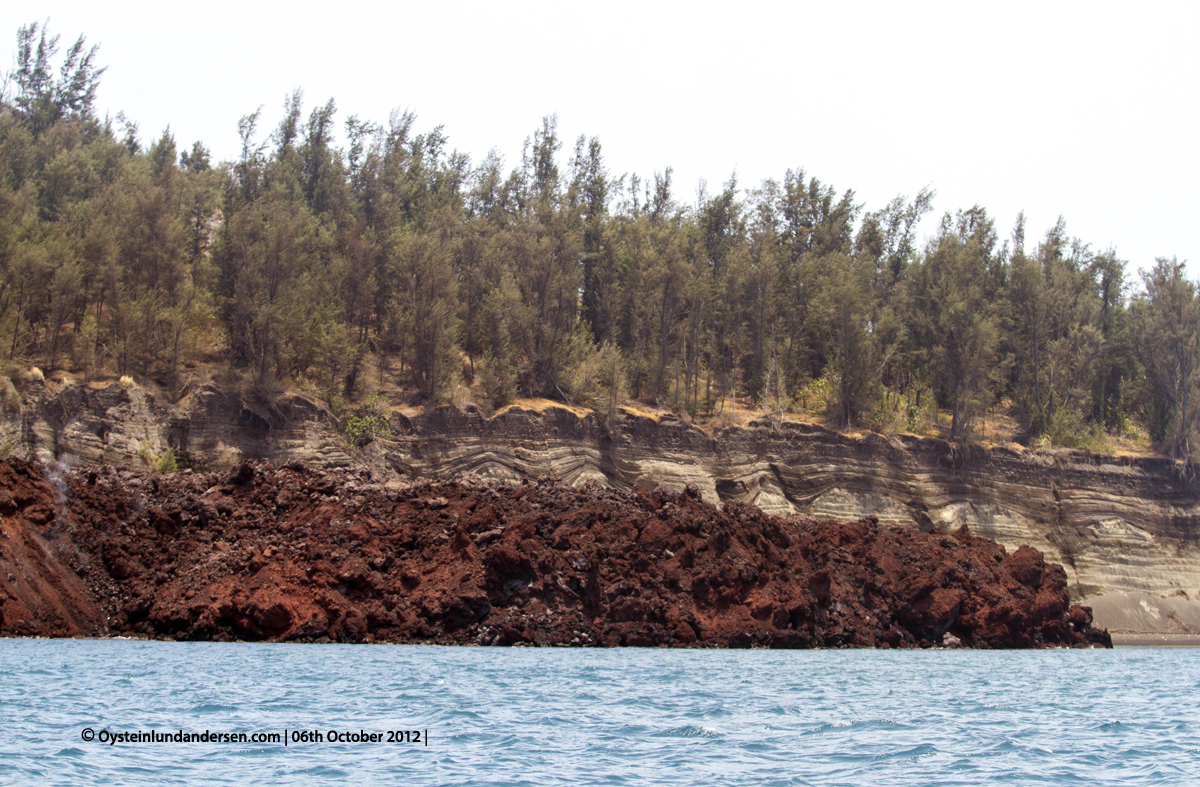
(1168, 329)
(842, 307)
(588, 197)
(1117, 364)
(546, 267)
(1054, 308)
(265, 250)
(324, 181)
(759, 284)
(889, 235)
(427, 303)
(958, 322)
(41, 100)
(197, 159)
(555, 281)
(721, 232)
(152, 283)
(815, 224)
(541, 168)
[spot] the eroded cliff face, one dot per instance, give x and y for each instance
(1116, 526)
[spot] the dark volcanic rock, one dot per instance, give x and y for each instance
(302, 555)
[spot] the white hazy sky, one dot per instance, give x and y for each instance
(1085, 110)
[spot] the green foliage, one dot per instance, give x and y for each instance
(597, 378)
(956, 319)
(914, 412)
(167, 462)
(1054, 334)
(817, 394)
(302, 263)
(773, 396)
(498, 381)
(368, 422)
(1168, 328)
(427, 307)
(1069, 429)
(842, 308)
(161, 463)
(43, 100)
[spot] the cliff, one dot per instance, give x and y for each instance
(1119, 527)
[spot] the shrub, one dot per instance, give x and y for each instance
(368, 421)
(498, 380)
(597, 379)
(167, 463)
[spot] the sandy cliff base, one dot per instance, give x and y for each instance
(1156, 640)
(1148, 619)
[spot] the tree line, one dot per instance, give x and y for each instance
(303, 259)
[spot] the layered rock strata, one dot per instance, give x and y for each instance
(1128, 525)
(303, 555)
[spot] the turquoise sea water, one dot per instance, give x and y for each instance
(612, 717)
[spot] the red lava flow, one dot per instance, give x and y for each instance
(294, 554)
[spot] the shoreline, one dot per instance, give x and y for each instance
(1192, 641)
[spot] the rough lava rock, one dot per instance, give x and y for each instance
(297, 554)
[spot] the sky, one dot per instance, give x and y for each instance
(1087, 111)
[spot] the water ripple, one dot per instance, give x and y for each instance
(599, 717)
(689, 731)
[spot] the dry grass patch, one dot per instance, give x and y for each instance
(539, 405)
(637, 412)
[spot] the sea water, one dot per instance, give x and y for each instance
(118, 712)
